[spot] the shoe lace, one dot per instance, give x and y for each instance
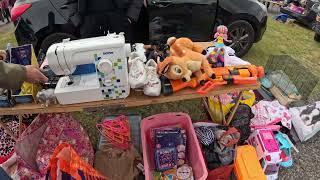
(135, 71)
(152, 74)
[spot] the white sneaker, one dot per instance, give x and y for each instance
(137, 71)
(153, 86)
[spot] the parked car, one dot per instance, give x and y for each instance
(316, 26)
(44, 22)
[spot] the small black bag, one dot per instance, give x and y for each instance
(241, 121)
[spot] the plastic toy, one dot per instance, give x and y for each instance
(6, 99)
(185, 59)
(215, 56)
(248, 74)
(171, 86)
(46, 97)
(216, 53)
(220, 36)
(285, 146)
(268, 151)
(246, 164)
(117, 131)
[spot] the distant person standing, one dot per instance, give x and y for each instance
(1, 14)
(5, 9)
(11, 3)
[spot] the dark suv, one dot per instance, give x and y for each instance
(44, 22)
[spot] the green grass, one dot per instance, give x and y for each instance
(278, 39)
(289, 39)
(7, 36)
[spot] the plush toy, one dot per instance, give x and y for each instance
(46, 97)
(3, 55)
(185, 59)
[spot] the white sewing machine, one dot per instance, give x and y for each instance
(94, 68)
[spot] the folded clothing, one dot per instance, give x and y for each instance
(270, 113)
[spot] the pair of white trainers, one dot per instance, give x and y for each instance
(144, 75)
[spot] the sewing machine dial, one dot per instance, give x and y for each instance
(105, 66)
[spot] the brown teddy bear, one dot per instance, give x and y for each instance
(185, 59)
(3, 55)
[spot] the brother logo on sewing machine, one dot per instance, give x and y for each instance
(94, 69)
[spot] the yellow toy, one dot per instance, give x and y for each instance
(217, 113)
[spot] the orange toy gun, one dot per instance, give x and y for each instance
(248, 74)
(171, 86)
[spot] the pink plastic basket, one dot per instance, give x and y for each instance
(194, 155)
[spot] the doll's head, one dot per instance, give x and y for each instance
(221, 31)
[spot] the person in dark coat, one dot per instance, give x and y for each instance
(1, 14)
(5, 9)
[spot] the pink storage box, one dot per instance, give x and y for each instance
(194, 154)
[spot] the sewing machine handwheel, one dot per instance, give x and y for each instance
(105, 66)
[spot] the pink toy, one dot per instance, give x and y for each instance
(268, 151)
(193, 151)
(221, 31)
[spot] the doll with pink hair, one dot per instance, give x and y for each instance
(220, 36)
(216, 56)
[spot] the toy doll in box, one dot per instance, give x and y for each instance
(25, 55)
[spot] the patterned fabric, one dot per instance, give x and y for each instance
(205, 135)
(270, 113)
(40, 139)
(6, 142)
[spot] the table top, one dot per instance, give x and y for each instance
(135, 99)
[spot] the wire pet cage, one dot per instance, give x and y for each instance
(303, 80)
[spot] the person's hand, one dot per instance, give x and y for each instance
(34, 75)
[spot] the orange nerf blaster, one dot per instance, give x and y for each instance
(171, 86)
(248, 74)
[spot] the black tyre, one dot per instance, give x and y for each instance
(317, 37)
(54, 38)
(242, 35)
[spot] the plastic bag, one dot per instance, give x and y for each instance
(215, 110)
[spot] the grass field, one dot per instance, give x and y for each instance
(278, 39)
(289, 39)
(6, 36)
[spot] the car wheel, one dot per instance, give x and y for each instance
(317, 37)
(241, 34)
(54, 38)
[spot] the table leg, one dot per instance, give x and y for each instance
(8, 131)
(221, 110)
(234, 109)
